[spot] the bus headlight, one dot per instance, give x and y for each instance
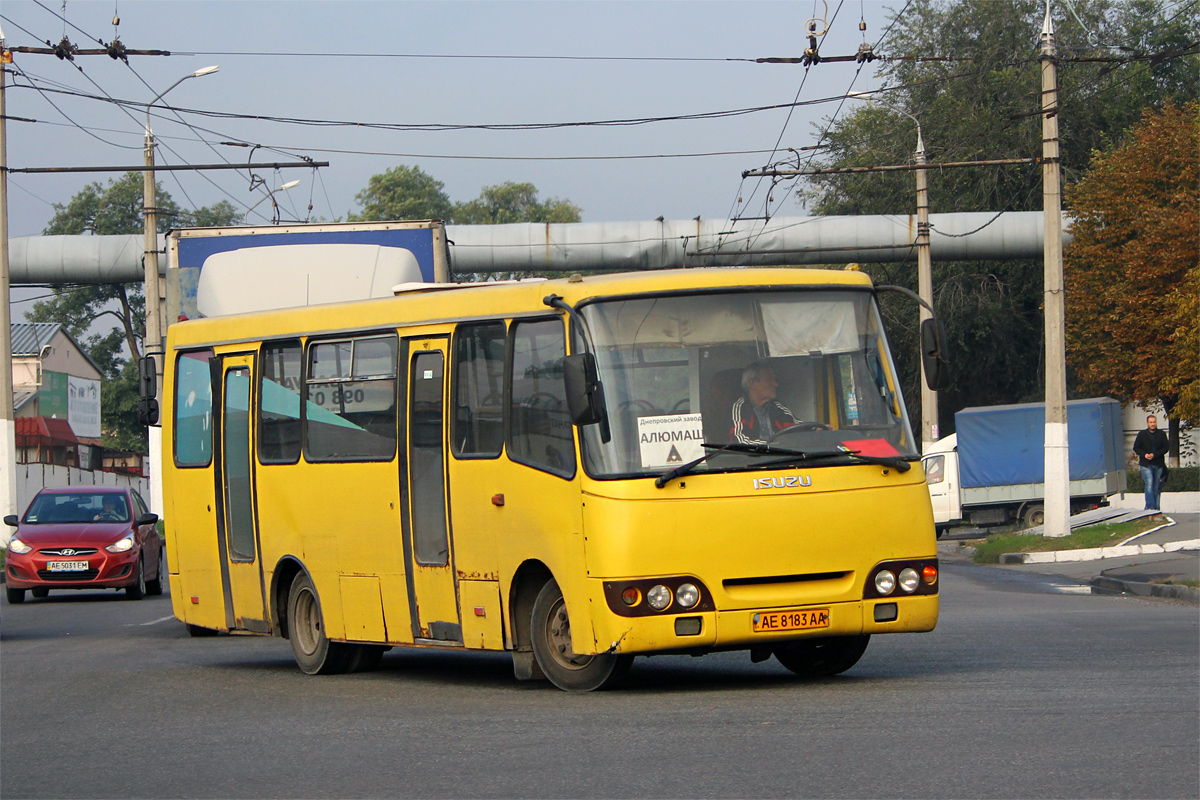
(885, 582)
(659, 597)
(687, 595)
(906, 577)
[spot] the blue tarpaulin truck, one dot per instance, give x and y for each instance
(991, 471)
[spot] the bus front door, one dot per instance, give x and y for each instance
(241, 568)
(432, 588)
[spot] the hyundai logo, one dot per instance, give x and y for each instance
(67, 551)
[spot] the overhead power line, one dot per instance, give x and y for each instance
(446, 126)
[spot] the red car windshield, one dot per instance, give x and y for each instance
(78, 507)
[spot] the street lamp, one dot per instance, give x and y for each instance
(929, 401)
(153, 341)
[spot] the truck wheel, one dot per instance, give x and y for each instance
(550, 629)
(822, 657)
(314, 653)
(1034, 515)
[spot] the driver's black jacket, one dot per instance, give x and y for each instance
(746, 427)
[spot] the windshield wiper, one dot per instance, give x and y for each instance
(733, 447)
(789, 456)
(895, 462)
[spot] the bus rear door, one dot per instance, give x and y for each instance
(241, 567)
(432, 589)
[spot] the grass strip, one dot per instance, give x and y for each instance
(1104, 534)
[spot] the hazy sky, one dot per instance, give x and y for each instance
(405, 63)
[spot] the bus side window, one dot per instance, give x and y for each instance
(350, 400)
(477, 426)
(542, 435)
(193, 410)
(279, 414)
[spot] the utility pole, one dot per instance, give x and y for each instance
(1057, 475)
(154, 327)
(929, 398)
(8, 436)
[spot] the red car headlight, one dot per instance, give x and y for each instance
(122, 545)
(15, 545)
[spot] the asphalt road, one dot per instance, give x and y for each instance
(1028, 688)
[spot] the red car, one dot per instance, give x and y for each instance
(98, 537)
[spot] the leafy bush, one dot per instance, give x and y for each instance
(1182, 479)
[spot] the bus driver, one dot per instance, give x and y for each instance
(756, 416)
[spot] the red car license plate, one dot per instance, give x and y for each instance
(66, 566)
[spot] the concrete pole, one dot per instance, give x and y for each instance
(153, 341)
(1057, 479)
(155, 330)
(929, 398)
(152, 345)
(8, 436)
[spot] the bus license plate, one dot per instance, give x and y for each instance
(771, 621)
(66, 566)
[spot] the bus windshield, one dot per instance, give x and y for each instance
(763, 374)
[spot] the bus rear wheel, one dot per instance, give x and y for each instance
(314, 653)
(552, 647)
(822, 657)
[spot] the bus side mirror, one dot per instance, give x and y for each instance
(933, 354)
(585, 395)
(147, 411)
(147, 378)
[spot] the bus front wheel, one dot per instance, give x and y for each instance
(822, 657)
(314, 653)
(552, 647)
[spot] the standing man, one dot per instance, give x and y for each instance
(1150, 447)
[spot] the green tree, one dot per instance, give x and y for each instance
(1133, 268)
(514, 202)
(102, 209)
(983, 104)
(401, 193)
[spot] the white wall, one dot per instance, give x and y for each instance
(32, 478)
(1134, 420)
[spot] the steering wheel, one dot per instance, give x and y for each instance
(683, 404)
(802, 427)
(535, 400)
(107, 516)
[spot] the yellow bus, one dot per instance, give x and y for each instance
(576, 471)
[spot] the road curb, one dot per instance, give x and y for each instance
(1171, 591)
(1098, 553)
